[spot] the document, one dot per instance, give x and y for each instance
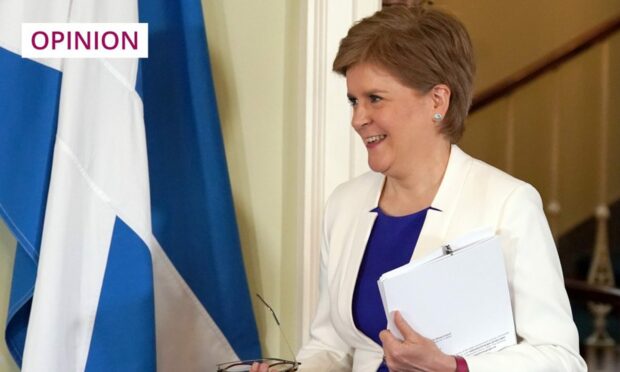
(456, 296)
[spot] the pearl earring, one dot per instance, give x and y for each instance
(437, 117)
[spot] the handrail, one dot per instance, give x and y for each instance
(583, 291)
(549, 62)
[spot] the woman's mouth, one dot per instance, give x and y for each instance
(373, 140)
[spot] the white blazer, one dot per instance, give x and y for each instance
(472, 194)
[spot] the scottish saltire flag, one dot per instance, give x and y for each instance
(114, 182)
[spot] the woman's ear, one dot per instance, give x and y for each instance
(440, 94)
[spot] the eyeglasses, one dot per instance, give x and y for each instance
(275, 364)
(279, 365)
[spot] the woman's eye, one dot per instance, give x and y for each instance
(374, 98)
(352, 101)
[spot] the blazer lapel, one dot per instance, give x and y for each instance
(445, 202)
(354, 254)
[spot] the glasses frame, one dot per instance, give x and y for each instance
(272, 362)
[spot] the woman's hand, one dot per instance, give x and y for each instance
(259, 367)
(415, 353)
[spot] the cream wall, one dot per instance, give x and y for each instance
(7, 254)
(254, 48)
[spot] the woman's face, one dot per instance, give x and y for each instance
(394, 121)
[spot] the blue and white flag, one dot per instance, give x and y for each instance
(113, 180)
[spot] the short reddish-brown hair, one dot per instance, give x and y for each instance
(422, 47)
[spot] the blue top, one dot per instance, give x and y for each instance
(390, 245)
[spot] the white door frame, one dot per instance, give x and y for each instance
(330, 152)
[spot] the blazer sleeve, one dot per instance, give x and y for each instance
(325, 351)
(546, 334)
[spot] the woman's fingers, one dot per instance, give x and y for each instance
(405, 329)
(414, 353)
(388, 339)
(259, 367)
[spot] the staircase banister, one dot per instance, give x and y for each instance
(582, 291)
(549, 62)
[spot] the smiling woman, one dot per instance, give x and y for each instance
(409, 74)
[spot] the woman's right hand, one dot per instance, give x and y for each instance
(259, 367)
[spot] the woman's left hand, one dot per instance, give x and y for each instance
(415, 353)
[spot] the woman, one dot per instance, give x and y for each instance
(409, 74)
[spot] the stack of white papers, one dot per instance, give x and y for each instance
(457, 296)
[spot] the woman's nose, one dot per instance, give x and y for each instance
(360, 117)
